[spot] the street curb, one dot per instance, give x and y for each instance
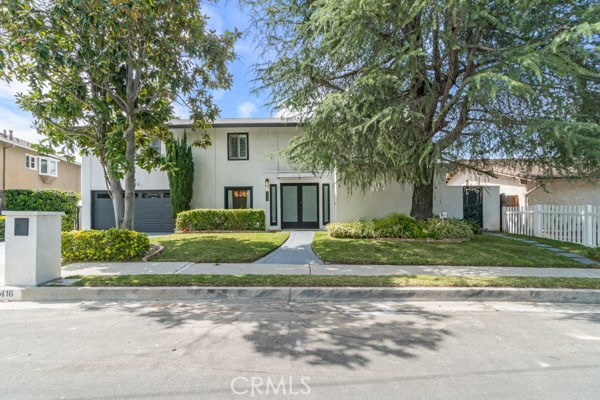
(299, 294)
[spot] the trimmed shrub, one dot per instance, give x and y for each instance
(401, 226)
(477, 230)
(44, 200)
(2, 227)
(441, 229)
(397, 225)
(220, 220)
(351, 230)
(110, 245)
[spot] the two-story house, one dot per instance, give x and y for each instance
(241, 170)
(21, 167)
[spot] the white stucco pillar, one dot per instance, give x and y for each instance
(32, 247)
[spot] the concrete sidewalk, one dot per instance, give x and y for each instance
(139, 268)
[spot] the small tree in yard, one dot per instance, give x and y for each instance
(391, 90)
(181, 174)
(103, 74)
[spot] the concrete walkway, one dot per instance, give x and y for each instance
(297, 269)
(297, 250)
(573, 256)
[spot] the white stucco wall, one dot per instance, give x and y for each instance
(508, 185)
(398, 198)
(566, 192)
(214, 172)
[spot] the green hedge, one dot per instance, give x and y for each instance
(220, 220)
(1, 228)
(44, 200)
(109, 245)
(402, 226)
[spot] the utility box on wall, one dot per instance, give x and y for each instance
(32, 247)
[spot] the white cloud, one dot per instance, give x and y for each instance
(246, 109)
(180, 110)
(218, 94)
(285, 113)
(9, 90)
(19, 122)
(13, 118)
(215, 21)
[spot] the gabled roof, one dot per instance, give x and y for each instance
(15, 141)
(239, 122)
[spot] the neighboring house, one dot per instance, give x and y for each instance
(240, 170)
(519, 187)
(21, 167)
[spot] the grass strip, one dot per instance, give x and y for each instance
(336, 281)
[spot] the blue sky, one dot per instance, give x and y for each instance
(234, 103)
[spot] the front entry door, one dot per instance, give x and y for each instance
(300, 205)
(473, 204)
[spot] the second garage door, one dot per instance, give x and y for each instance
(153, 212)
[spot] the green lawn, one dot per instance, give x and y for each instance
(566, 246)
(218, 247)
(336, 281)
(481, 250)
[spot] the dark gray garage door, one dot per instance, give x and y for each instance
(153, 211)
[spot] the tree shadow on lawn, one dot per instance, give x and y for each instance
(319, 334)
(215, 249)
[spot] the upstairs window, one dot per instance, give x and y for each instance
(237, 146)
(48, 167)
(30, 162)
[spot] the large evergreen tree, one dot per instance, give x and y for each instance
(180, 174)
(390, 90)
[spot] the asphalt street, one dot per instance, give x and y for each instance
(255, 349)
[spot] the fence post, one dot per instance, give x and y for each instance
(503, 223)
(588, 226)
(537, 220)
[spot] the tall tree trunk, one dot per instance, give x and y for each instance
(116, 194)
(422, 200)
(129, 209)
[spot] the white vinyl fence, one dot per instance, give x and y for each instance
(575, 224)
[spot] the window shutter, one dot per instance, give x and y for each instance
(243, 146)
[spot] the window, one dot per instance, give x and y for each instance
(30, 161)
(273, 205)
(237, 146)
(238, 197)
(156, 145)
(48, 166)
(326, 218)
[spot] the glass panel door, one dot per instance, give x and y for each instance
(310, 200)
(289, 203)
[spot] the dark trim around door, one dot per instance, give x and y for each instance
(300, 224)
